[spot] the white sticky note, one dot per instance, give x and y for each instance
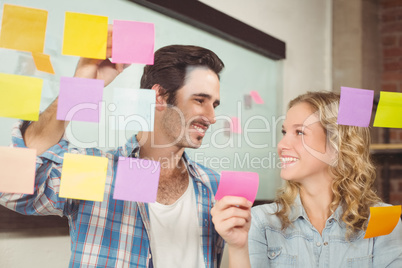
(133, 109)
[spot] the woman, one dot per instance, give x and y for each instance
(321, 213)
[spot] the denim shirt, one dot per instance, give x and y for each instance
(301, 245)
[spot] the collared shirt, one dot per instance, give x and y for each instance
(301, 245)
(112, 233)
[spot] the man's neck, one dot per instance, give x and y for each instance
(169, 156)
(173, 180)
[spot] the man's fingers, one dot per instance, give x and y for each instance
(109, 41)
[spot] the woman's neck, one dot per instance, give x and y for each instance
(317, 204)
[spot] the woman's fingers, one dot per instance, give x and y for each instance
(231, 212)
(230, 201)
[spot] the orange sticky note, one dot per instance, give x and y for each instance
(85, 35)
(17, 170)
(83, 177)
(382, 221)
(23, 28)
(42, 62)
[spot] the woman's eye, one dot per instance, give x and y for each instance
(299, 132)
(283, 132)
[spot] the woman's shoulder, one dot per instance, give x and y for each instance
(264, 216)
(266, 208)
(382, 204)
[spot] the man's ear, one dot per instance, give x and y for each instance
(160, 103)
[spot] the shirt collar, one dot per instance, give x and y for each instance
(298, 211)
(132, 149)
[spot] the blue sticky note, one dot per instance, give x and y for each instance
(134, 109)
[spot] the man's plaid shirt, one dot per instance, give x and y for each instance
(112, 233)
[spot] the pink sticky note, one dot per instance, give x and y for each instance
(17, 170)
(133, 42)
(256, 97)
(79, 99)
(137, 180)
(238, 183)
(235, 125)
(355, 107)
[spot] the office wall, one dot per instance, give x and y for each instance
(390, 14)
(305, 27)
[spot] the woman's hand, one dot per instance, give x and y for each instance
(232, 216)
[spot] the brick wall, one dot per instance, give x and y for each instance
(390, 20)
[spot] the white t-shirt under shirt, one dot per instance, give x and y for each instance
(175, 233)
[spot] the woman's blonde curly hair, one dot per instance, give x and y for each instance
(353, 172)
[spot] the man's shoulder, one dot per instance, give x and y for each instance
(206, 169)
(207, 176)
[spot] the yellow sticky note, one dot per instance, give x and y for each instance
(382, 220)
(42, 62)
(83, 177)
(23, 28)
(389, 110)
(17, 170)
(85, 35)
(20, 96)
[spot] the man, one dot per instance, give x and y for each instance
(177, 229)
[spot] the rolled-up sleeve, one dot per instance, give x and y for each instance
(45, 199)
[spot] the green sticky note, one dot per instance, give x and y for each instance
(389, 110)
(83, 177)
(85, 35)
(20, 96)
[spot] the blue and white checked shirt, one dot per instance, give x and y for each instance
(112, 233)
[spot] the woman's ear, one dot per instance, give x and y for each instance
(160, 102)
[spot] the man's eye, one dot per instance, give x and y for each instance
(199, 100)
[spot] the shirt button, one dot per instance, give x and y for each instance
(205, 192)
(325, 243)
(206, 222)
(273, 254)
(318, 244)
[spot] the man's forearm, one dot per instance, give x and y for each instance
(46, 132)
